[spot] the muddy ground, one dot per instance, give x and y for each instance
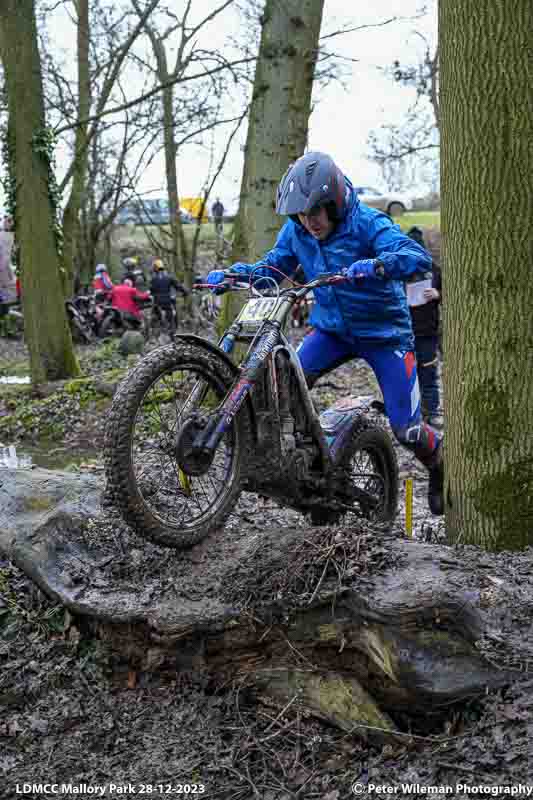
(73, 712)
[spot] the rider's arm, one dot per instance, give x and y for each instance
(178, 286)
(399, 255)
(281, 256)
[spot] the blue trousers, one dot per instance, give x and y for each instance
(396, 374)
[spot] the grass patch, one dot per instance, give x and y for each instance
(424, 219)
(131, 235)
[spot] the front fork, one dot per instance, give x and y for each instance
(207, 440)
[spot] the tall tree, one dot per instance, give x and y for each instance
(277, 124)
(31, 194)
(487, 129)
(279, 117)
(81, 151)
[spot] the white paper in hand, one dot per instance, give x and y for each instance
(415, 292)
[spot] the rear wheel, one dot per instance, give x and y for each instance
(370, 465)
(111, 326)
(154, 418)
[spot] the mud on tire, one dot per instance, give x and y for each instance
(122, 461)
(372, 445)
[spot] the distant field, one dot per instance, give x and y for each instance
(425, 219)
(137, 234)
(132, 236)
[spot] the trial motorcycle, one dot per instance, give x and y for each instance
(189, 430)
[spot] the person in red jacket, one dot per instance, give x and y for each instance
(124, 297)
(101, 281)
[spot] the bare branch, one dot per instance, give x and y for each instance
(342, 31)
(153, 92)
(402, 153)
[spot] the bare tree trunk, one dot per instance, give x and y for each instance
(487, 129)
(434, 86)
(277, 126)
(46, 327)
(179, 247)
(279, 116)
(72, 210)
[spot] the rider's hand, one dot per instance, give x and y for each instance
(215, 277)
(431, 294)
(362, 270)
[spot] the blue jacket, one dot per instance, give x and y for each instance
(374, 310)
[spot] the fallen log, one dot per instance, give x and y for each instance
(351, 624)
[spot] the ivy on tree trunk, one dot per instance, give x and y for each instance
(37, 232)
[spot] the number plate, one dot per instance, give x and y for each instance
(258, 309)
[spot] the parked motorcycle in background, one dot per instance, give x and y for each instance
(12, 320)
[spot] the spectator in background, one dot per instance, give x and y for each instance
(102, 282)
(164, 288)
(217, 211)
(129, 266)
(425, 320)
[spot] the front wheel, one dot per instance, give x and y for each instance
(158, 402)
(81, 332)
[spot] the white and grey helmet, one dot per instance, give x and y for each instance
(313, 181)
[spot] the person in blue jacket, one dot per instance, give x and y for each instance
(330, 230)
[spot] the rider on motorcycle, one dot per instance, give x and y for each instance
(125, 297)
(102, 282)
(132, 271)
(164, 288)
(329, 230)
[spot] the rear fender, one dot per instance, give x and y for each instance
(199, 341)
(338, 422)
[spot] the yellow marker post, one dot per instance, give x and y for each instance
(409, 507)
(184, 482)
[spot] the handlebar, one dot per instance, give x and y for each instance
(232, 285)
(232, 282)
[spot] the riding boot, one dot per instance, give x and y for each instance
(426, 444)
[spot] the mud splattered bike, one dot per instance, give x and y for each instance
(189, 430)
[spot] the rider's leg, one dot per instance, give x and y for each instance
(397, 377)
(321, 352)
(173, 318)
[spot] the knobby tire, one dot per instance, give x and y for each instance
(120, 433)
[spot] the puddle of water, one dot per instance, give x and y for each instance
(15, 379)
(12, 457)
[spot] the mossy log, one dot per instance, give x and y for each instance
(353, 625)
